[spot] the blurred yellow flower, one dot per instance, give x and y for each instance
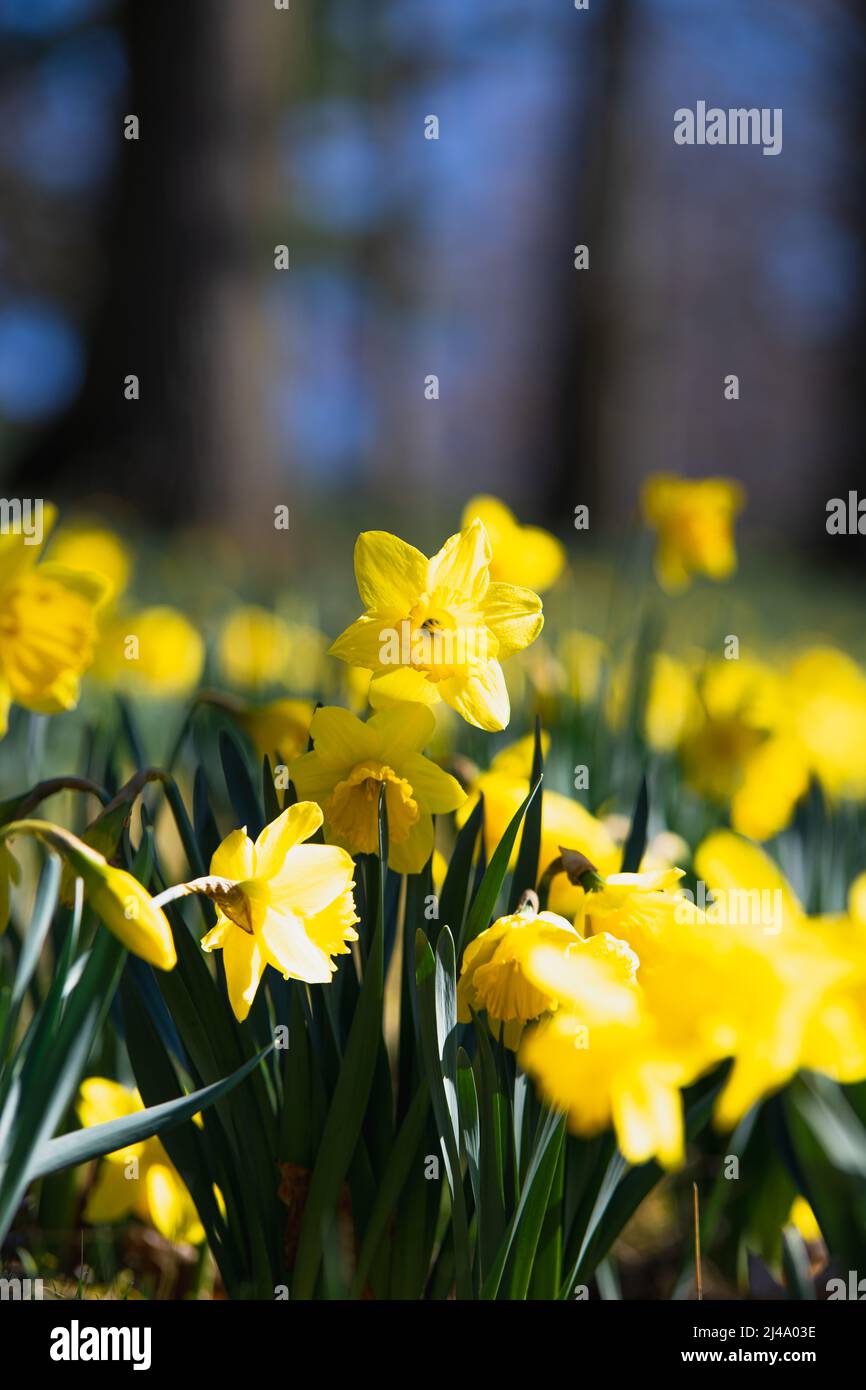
(524, 555)
(828, 691)
(154, 652)
(280, 902)
(794, 988)
(140, 1178)
(671, 706)
(601, 1058)
(773, 778)
(352, 760)
(730, 756)
(253, 648)
(257, 650)
(279, 727)
(47, 626)
(437, 629)
(94, 548)
(694, 521)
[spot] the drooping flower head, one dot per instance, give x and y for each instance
(351, 760)
(438, 629)
(280, 902)
(694, 520)
(495, 975)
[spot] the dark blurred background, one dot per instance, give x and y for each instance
(411, 257)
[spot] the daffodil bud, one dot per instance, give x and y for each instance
(123, 904)
(128, 910)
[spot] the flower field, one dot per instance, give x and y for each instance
(492, 929)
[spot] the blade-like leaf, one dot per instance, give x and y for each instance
(85, 1144)
(484, 905)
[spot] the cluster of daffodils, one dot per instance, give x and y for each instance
(622, 992)
(642, 993)
(750, 733)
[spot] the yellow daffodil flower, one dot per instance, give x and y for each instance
(139, 1179)
(601, 1058)
(524, 555)
(694, 521)
(47, 626)
(280, 902)
(629, 906)
(494, 973)
(155, 653)
(257, 650)
(437, 629)
(351, 760)
(794, 987)
(741, 750)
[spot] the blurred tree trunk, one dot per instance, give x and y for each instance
(187, 253)
(590, 334)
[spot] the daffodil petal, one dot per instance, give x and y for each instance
(389, 572)
(341, 739)
(361, 643)
(234, 858)
(296, 824)
(311, 878)
(393, 687)
(411, 854)
(244, 961)
(482, 698)
(461, 567)
(434, 789)
(403, 730)
(290, 949)
(514, 617)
